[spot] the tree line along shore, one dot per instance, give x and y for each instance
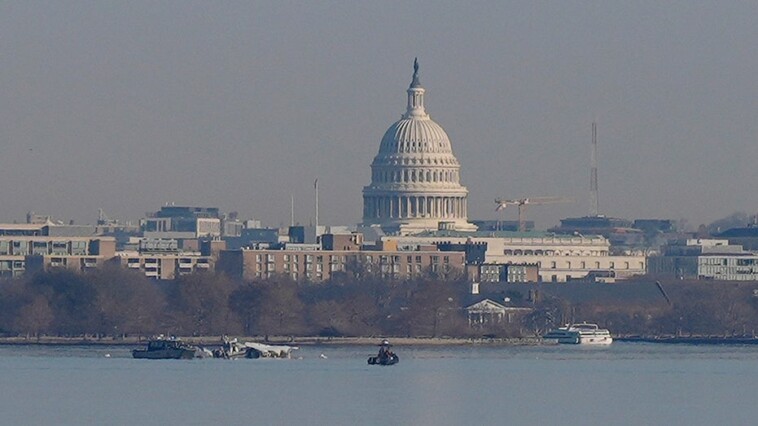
(114, 305)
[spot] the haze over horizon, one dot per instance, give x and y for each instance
(128, 106)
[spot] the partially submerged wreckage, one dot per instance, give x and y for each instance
(173, 348)
(231, 349)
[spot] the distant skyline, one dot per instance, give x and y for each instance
(239, 105)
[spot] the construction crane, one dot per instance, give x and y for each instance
(522, 203)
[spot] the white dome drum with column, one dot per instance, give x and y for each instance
(415, 178)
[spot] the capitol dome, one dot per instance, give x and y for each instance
(415, 178)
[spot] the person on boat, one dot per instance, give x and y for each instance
(384, 350)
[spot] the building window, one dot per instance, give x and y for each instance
(20, 249)
(39, 248)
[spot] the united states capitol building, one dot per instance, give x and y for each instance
(415, 178)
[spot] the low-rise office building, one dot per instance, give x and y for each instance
(21, 254)
(177, 222)
(165, 260)
(559, 258)
(709, 259)
(312, 263)
(164, 266)
(44, 245)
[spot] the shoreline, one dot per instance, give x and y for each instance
(690, 340)
(283, 340)
(364, 341)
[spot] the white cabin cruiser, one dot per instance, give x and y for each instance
(580, 334)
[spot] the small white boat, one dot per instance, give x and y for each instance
(580, 334)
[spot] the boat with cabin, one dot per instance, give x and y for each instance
(162, 348)
(580, 334)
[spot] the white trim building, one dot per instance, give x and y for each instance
(559, 258)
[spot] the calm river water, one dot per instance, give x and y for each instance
(625, 384)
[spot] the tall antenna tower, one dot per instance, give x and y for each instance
(593, 173)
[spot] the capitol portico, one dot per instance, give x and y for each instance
(415, 178)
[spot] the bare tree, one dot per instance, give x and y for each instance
(35, 318)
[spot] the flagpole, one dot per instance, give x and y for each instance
(315, 188)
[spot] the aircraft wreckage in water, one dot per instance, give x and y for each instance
(173, 348)
(231, 349)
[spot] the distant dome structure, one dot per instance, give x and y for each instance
(415, 178)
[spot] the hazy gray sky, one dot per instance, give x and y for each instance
(127, 105)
